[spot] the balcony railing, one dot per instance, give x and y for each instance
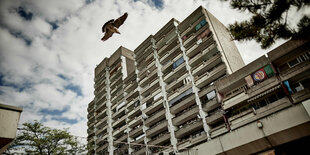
(186, 115)
(155, 118)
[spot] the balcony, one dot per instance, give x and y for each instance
(204, 66)
(123, 138)
(155, 118)
(215, 118)
(206, 78)
(130, 86)
(301, 95)
(141, 151)
(130, 101)
(100, 86)
(143, 49)
(102, 122)
(178, 72)
(136, 132)
(101, 114)
(139, 139)
(154, 84)
(263, 86)
(164, 35)
(178, 92)
(168, 65)
(102, 147)
(205, 47)
(189, 128)
(135, 121)
(119, 121)
(161, 139)
(142, 73)
(298, 69)
(192, 46)
(101, 92)
(102, 131)
(170, 54)
(189, 101)
(211, 105)
(218, 131)
(188, 25)
(169, 46)
(120, 112)
(149, 77)
(133, 94)
(155, 106)
(186, 116)
(136, 111)
(235, 100)
(114, 92)
(118, 98)
(101, 139)
(161, 126)
(249, 116)
(101, 105)
(116, 76)
(117, 133)
(176, 83)
(116, 82)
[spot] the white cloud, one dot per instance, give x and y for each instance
(74, 49)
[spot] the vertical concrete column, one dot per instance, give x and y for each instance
(95, 128)
(169, 116)
(109, 112)
(130, 150)
(141, 108)
(195, 89)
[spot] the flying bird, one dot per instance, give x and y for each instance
(112, 26)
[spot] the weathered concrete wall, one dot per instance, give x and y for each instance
(9, 117)
(225, 42)
(282, 127)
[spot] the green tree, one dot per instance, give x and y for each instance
(34, 138)
(269, 21)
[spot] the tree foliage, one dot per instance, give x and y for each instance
(34, 138)
(269, 21)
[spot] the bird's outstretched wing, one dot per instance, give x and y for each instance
(107, 35)
(105, 24)
(119, 21)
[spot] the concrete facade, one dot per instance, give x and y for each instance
(9, 118)
(186, 90)
(265, 115)
(160, 105)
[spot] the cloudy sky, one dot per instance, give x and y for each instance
(49, 49)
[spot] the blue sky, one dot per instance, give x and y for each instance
(49, 49)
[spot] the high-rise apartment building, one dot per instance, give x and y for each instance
(182, 89)
(159, 105)
(106, 110)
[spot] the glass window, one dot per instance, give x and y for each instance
(211, 95)
(293, 62)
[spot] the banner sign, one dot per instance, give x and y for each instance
(259, 75)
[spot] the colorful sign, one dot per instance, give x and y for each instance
(259, 75)
(249, 81)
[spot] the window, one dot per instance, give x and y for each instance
(301, 58)
(211, 95)
(293, 62)
(297, 87)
